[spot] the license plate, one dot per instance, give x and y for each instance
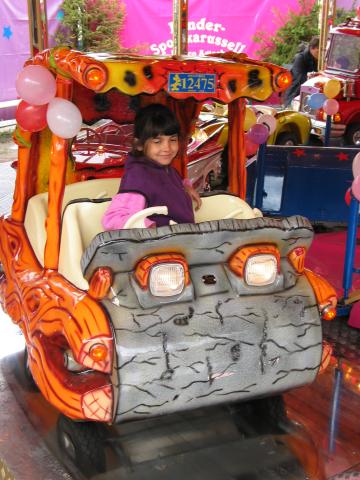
(192, 82)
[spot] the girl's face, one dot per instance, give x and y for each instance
(162, 149)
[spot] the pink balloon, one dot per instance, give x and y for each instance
(355, 188)
(64, 118)
(269, 121)
(36, 85)
(331, 106)
(356, 165)
(258, 133)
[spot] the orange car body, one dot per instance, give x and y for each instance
(75, 345)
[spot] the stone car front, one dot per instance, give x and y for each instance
(208, 313)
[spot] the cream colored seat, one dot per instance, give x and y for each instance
(214, 207)
(81, 223)
(81, 220)
(37, 208)
(222, 206)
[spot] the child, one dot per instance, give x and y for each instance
(149, 179)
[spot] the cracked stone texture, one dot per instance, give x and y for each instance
(230, 341)
(236, 351)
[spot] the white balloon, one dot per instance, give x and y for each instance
(269, 121)
(64, 118)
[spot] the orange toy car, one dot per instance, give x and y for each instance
(107, 339)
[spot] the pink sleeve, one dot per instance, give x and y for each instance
(187, 182)
(122, 207)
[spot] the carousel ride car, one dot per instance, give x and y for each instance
(108, 340)
(291, 128)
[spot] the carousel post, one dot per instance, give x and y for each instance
(326, 17)
(38, 28)
(180, 27)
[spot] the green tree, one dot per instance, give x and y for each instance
(296, 29)
(91, 25)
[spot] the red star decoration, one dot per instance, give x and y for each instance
(342, 156)
(299, 152)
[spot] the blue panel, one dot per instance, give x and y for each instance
(309, 181)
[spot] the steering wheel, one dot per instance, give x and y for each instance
(138, 219)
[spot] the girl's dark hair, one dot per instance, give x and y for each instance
(152, 121)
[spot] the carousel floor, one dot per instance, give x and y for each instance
(318, 439)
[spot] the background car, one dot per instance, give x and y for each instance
(293, 128)
(99, 151)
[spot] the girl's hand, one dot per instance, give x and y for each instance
(195, 197)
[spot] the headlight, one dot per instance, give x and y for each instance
(165, 274)
(95, 76)
(261, 270)
(167, 279)
(258, 265)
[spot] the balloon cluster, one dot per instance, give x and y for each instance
(355, 187)
(258, 129)
(38, 108)
(326, 100)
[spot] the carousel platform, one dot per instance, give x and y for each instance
(315, 437)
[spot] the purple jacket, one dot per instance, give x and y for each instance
(158, 185)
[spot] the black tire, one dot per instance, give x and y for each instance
(23, 373)
(83, 444)
(262, 416)
(287, 138)
(315, 141)
(352, 135)
(209, 182)
(27, 372)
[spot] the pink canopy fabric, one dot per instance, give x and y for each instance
(14, 40)
(213, 26)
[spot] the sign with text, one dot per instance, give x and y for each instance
(213, 25)
(191, 83)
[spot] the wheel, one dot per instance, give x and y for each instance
(27, 372)
(82, 442)
(287, 138)
(23, 372)
(209, 182)
(352, 134)
(261, 416)
(315, 141)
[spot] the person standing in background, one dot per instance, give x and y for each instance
(304, 63)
